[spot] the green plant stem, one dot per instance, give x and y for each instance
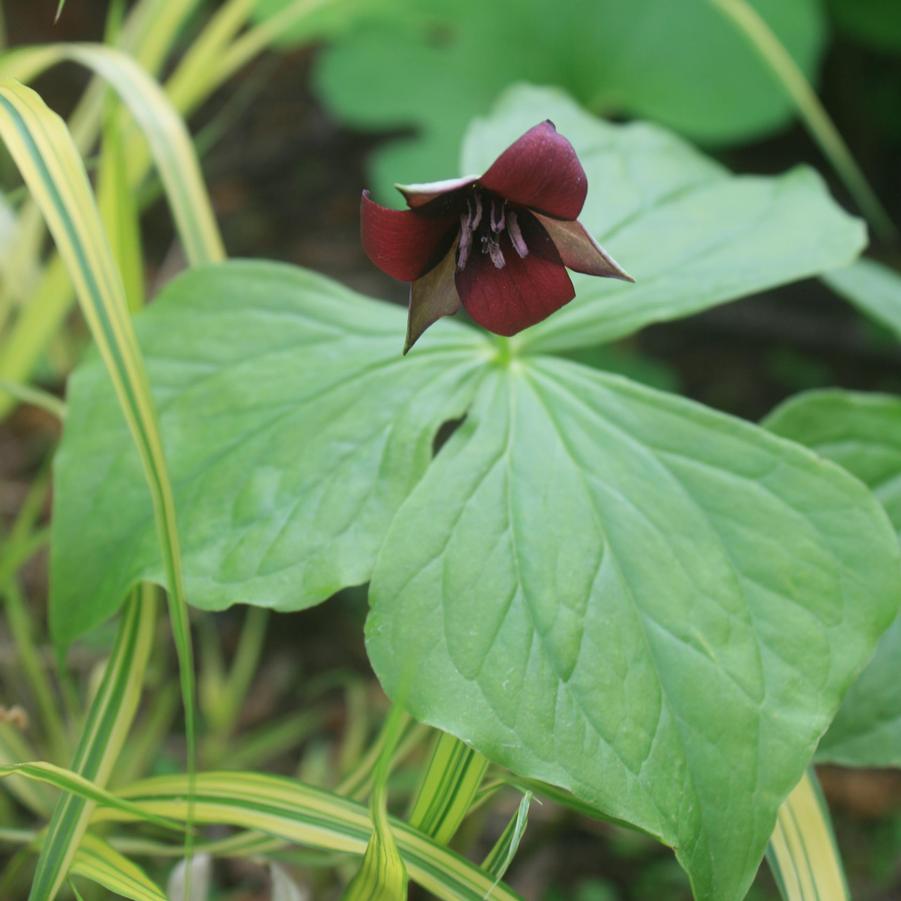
(356, 785)
(27, 394)
(755, 29)
(247, 657)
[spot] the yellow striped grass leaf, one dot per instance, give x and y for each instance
(501, 855)
(27, 394)
(107, 724)
(382, 875)
(101, 863)
(164, 130)
(176, 162)
(785, 69)
(448, 788)
(119, 209)
(74, 784)
(300, 814)
(147, 34)
(33, 795)
(802, 853)
(42, 148)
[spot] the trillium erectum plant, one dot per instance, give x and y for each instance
(555, 559)
(498, 244)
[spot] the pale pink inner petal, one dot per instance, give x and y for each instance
(420, 195)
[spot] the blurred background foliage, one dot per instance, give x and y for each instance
(370, 92)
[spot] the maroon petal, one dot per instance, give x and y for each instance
(540, 171)
(524, 291)
(402, 243)
(431, 297)
(420, 195)
(579, 251)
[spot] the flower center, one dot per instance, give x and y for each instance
(482, 224)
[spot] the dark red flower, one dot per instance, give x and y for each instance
(497, 244)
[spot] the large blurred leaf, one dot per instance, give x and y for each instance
(653, 605)
(875, 22)
(873, 288)
(862, 432)
(692, 234)
(293, 426)
(433, 64)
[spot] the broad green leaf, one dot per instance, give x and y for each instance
(873, 288)
(294, 430)
(862, 432)
(98, 861)
(653, 605)
(802, 853)
(308, 816)
(692, 234)
(678, 63)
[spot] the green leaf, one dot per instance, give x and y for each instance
(48, 160)
(874, 22)
(501, 855)
(680, 218)
(77, 785)
(861, 432)
(647, 58)
(692, 234)
(97, 861)
(165, 132)
(110, 717)
(802, 853)
(873, 288)
(653, 605)
(382, 875)
(448, 788)
(294, 430)
(311, 817)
